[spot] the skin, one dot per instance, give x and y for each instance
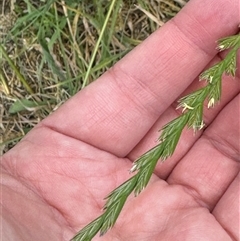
(55, 179)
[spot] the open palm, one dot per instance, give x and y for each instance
(55, 179)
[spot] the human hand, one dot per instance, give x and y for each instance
(55, 179)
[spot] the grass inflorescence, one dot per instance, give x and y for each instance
(192, 117)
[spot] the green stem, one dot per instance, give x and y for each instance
(19, 75)
(97, 44)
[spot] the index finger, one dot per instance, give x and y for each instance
(117, 110)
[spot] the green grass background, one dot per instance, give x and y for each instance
(49, 50)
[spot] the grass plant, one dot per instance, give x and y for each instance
(50, 50)
(192, 117)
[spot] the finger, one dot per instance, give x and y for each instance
(116, 111)
(227, 209)
(230, 88)
(213, 162)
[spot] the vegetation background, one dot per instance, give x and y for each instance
(50, 49)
